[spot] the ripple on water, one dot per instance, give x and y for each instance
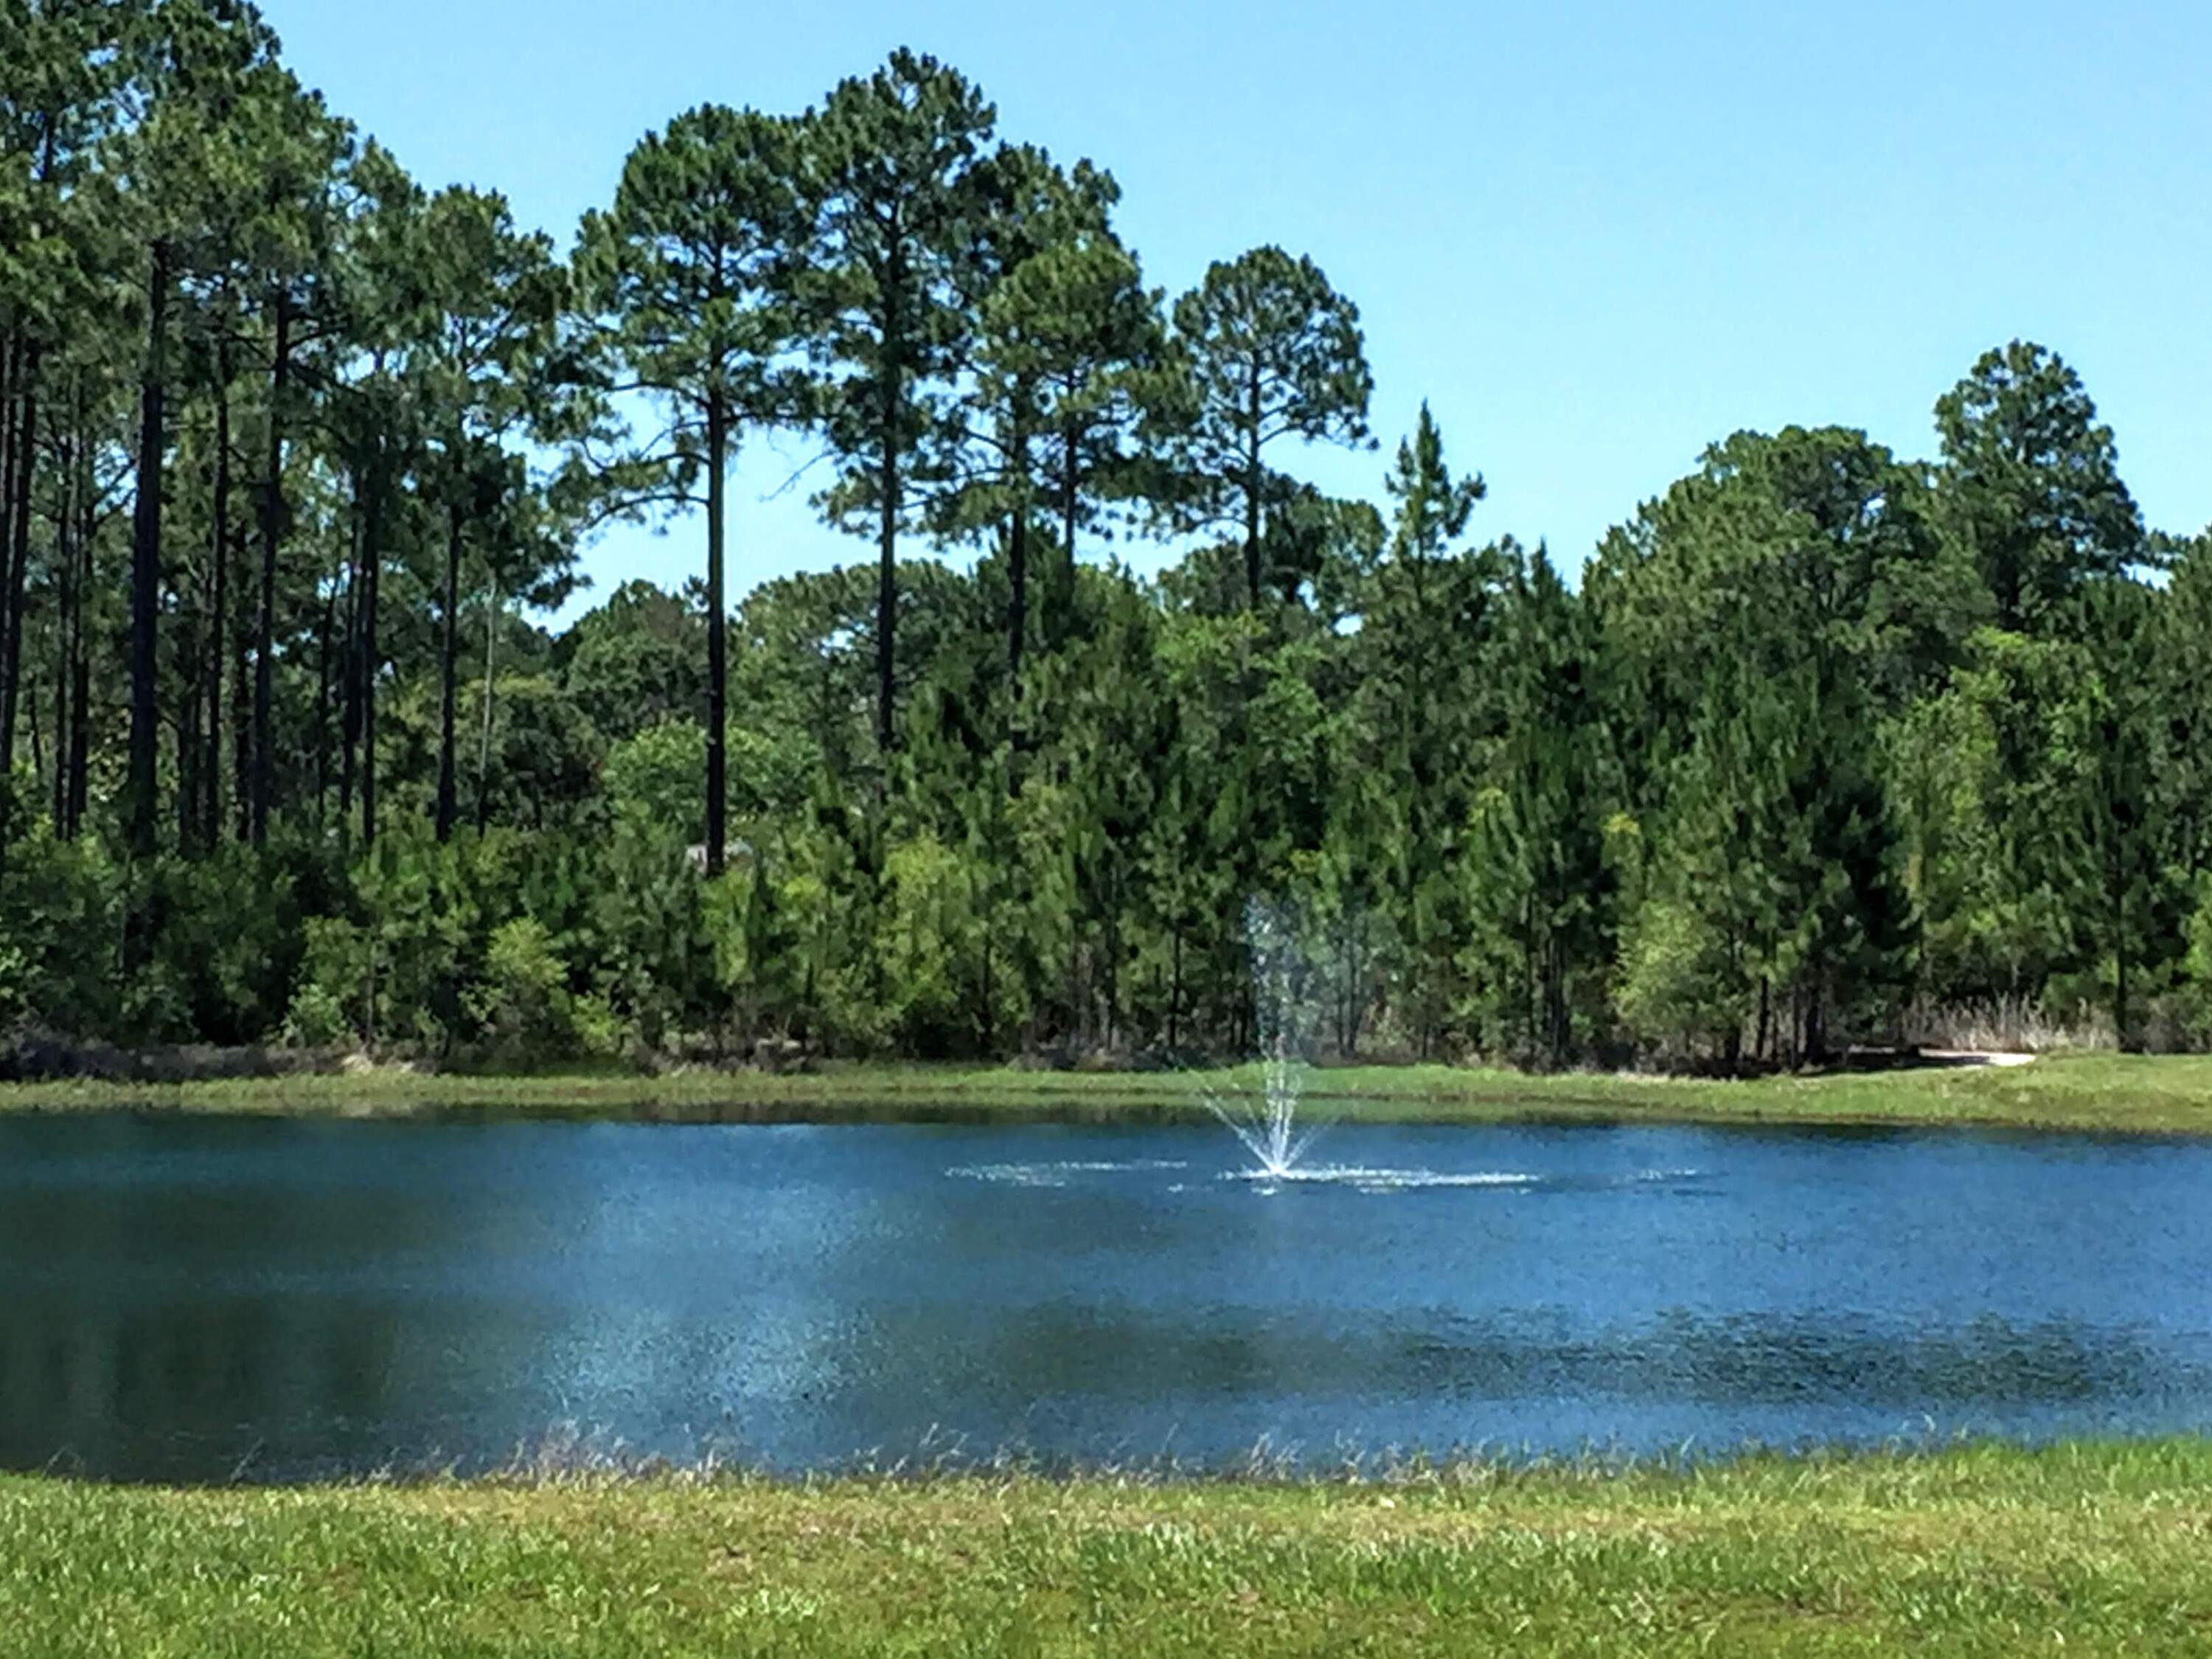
(1057, 1174)
(1397, 1181)
(1358, 1178)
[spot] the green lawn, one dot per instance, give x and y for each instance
(1985, 1550)
(2087, 1091)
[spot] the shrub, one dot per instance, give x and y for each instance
(597, 1029)
(316, 1019)
(522, 1000)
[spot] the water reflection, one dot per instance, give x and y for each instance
(209, 1300)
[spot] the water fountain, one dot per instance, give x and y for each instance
(1266, 1114)
(1266, 1121)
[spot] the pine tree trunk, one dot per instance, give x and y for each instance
(218, 644)
(2119, 925)
(272, 530)
(326, 629)
(146, 563)
(887, 553)
(990, 1022)
(887, 588)
(7, 349)
(241, 735)
(1112, 971)
(80, 748)
(1252, 495)
(1174, 996)
(1071, 489)
(1529, 992)
(372, 573)
(65, 604)
(483, 744)
(17, 550)
(718, 673)
(80, 754)
(186, 799)
(38, 746)
(350, 664)
(1018, 543)
(449, 654)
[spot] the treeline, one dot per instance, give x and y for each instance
(294, 452)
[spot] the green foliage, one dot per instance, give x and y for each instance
(520, 998)
(1541, 896)
(2030, 485)
(651, 779)
(62, 915)
(1822, 737)
(637, 661)
(316, 1019)
(2194, 1004)
(1271, 352)
(225, 935)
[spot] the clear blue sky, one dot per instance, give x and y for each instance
(1595, 233)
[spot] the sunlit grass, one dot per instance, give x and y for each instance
(2085, 1091)
(1986, 1549)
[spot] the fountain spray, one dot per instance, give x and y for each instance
(1268, 1123)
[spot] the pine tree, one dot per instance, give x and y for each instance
(687, 280)
(1271, 352)
(2030, 485)
(1537, 860)
(497, 296)
(899, 192)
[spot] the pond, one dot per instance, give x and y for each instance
(212, 1299)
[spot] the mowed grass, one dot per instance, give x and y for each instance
(2169, 1094)
(1982, 1550)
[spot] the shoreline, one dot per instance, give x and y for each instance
(2102, 1093)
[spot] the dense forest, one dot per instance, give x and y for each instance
(297, 455)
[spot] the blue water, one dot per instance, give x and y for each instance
(212, 1299)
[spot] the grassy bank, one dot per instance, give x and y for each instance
(2102, 1092)
(1980, 1551)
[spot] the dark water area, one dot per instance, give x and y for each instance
(210, 1299)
